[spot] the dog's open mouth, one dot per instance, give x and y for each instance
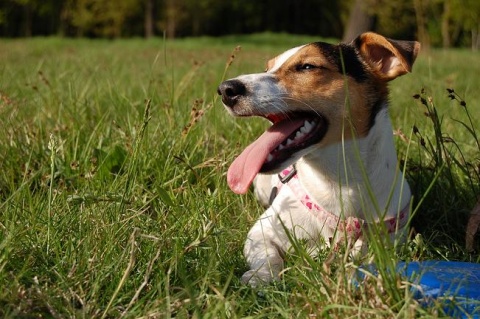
(289, 134)
(308, 133)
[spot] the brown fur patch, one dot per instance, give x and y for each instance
(323, 88)
(270, 64)
(388, 58)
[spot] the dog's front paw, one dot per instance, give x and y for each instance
(258, 277)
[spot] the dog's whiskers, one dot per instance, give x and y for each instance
(280, 104)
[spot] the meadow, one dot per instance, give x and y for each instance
(113, 194)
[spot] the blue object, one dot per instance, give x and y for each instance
(455, 284)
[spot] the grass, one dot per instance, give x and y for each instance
(113, 192)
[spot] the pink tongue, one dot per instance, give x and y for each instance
(247, 165)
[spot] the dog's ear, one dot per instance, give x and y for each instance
(388, 58)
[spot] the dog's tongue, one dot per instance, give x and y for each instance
(247, 165)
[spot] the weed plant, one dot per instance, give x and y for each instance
(114, 201)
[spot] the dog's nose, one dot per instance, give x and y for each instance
(230, 91)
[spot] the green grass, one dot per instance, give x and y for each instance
(113, 192)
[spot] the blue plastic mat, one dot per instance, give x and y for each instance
(456, 285)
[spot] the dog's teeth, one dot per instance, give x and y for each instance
(289, 141)
(308, 126)
(280, 147)
(269, 157)
(303, 130)
(299, 135)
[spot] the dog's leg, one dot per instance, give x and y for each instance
(270, 236)
(262, 250)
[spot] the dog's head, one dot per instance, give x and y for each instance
(314, 95)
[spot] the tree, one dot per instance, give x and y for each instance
(173, 15)
(27, 8)
(421, 17)
(81, 16)
(200, 13)
(361, 19)
(466, 15)
(102, 17)
(149, 25)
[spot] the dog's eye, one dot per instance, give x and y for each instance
(306, 66)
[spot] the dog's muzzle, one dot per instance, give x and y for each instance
(231, 91)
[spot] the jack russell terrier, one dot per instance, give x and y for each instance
(327, 166)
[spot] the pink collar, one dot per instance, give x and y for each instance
(352, 227)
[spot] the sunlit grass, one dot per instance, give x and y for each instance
(137, 220)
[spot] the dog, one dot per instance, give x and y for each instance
(327, 166)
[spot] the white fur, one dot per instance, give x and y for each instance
(282, 58)
(340, 188)
(358, 177)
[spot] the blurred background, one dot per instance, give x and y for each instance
(438, 23)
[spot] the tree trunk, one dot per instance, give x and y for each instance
(28, 20)
(360, 21)
(171, 12)
(149, 32)
(475, 39)
(422, 33)
(446, 39)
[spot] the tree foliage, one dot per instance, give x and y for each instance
(100, 17)
(439, 22)
(465, 17)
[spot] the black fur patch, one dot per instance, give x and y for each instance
(346, 59)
